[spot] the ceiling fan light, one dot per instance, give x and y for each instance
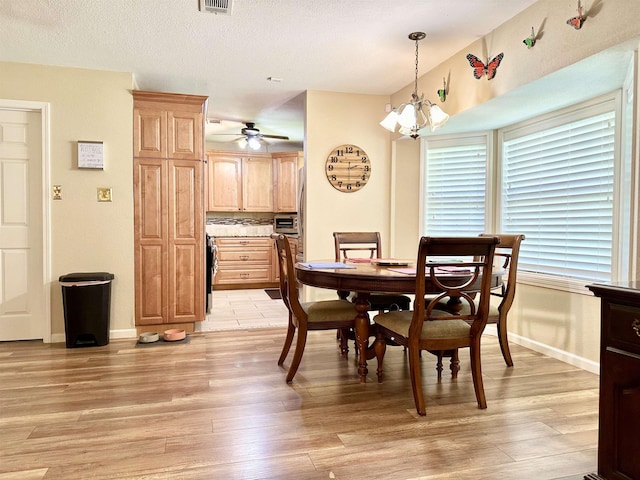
(242, 143)
(254, 143)
(390, 121)
(437, 117)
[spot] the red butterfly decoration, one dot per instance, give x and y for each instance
(576, 22)
(479, 68)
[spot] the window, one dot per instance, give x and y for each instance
(557, 187)
(455, 186)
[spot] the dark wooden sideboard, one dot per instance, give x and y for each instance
(619, 429)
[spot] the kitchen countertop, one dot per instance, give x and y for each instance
(217, 230)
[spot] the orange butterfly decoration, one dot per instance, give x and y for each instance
(577, 21)
(479, 68)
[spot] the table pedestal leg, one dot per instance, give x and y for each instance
(362, 333)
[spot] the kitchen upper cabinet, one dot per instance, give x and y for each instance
(225, 183)
(285, 167)
(162, 131)
(169, 210)
(240, 183)
(257, 184)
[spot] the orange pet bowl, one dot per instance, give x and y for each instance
(174, 334)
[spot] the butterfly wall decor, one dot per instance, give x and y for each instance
(577, 21)
(530, 41)
(442, 93)
(479, 68)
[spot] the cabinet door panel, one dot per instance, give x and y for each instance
(225, 180)
(185, 135)
(619, 443)
(257, 184)
(186, 237)
(286, 184)
(150, 231)
(151, 310)
(183, 301)
(149, 133)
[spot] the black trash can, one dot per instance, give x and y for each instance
(86, 298)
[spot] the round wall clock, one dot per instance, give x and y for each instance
(348, 168)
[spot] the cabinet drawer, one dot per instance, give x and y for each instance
(245, 275)
(241, 255)
(624, 327)
(224, 242)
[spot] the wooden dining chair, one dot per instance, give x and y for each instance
(428, 328)
(321, 315)
(505, 258)
(356, 244)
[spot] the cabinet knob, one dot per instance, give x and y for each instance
(636, 326)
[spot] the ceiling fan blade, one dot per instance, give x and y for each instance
(278, 137)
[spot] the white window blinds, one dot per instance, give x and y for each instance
(557, 189)
(454, 187)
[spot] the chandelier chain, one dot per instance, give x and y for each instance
(415, 84)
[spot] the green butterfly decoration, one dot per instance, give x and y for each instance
(442, 93)
(530, 41)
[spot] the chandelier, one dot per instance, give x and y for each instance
(413, 116)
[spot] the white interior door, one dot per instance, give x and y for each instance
(22, 314)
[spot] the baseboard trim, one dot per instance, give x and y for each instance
(113, 334)
(553, 352)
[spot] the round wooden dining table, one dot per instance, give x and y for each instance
(367, 278)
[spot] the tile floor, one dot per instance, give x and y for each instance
(240, 309)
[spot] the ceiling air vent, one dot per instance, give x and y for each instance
(221, 7)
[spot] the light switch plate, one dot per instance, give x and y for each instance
(104, 194)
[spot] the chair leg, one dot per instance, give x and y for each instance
(439, 354)
(291, 330)
(455, 364)
(416, 379)
(297, 355)
(504, 343)
(476, 372)
(380, 347)
(343, 336)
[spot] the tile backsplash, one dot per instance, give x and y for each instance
(243, 219)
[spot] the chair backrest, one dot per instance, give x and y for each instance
(506, 257)
(288, 283)
(348, 242)
(456, 265)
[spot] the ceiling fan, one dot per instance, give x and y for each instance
(251, 136)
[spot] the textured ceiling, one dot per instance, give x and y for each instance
(353, 46)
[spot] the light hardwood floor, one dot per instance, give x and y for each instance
(218, 408)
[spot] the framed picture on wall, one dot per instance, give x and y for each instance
(90, 154)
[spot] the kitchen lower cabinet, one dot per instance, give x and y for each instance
(244, 262)
(619, 420)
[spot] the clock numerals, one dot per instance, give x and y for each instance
(348, 168)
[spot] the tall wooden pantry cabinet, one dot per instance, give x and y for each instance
(169, 210)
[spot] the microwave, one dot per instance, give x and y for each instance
(285, 224)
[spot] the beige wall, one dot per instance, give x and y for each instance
(333, 119)
(553, 321)
(86, 236)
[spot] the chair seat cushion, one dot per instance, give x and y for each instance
(399, 322)
(329, 311)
